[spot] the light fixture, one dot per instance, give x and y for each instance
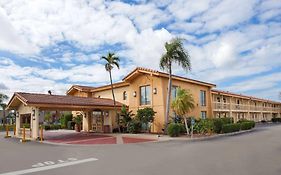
(33, 114)
(17, 114)
(134, 93)
(106, 113)
(154, 91)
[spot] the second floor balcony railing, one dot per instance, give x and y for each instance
(241, 107)
(221, 106)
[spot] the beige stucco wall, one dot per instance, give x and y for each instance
(118, 92)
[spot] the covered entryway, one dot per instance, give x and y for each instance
(98, 113)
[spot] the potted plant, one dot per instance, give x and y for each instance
(78, 122)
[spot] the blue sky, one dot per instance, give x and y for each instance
(52, 44)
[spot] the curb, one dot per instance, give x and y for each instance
(208, 137)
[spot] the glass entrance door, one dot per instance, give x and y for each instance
(98, 121)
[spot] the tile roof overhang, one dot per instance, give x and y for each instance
(79, 88)
(60, 101)
(227, 93)
(140, 70)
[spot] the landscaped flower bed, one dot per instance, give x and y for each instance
(208, 127)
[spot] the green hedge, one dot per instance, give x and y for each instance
(174, 129)
(3, 128)
(246, 125)
(52, 127)
(276, 119)
(234, 127)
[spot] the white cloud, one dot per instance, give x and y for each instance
(226, 14)
(268, 81)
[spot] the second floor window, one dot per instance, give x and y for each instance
(203, 98)
(145, 95)
(174, 92)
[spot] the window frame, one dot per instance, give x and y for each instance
(147, 98)
(205, 116)
(203, 101)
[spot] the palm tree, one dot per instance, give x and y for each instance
(183, 103)
(111, 61)
(175, 53)
(3, 105)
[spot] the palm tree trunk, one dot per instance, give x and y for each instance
(168, 100)
(114, 102)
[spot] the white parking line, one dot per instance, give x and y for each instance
(32, 170)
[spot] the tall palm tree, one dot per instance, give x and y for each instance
(3, 105)
(111, 61)
(175, 53)
(183, 103)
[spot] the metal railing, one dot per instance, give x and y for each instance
(240, 107)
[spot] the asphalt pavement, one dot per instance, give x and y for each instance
(252, 153)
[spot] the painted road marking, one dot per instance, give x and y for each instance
(47, 163)
(49, 167)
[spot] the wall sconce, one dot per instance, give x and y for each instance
(134, 93)
(17, 114)
(33, 114)
(106, 113)
(154, 91)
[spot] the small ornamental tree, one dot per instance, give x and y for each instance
(145, 115)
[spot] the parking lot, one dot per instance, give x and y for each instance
(254, 153)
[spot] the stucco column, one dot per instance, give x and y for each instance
(35, 123)
(85, 121)
(17, 124)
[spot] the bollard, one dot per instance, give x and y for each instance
(41, 134)
(30, 132)
(7, 132)
(23, 137)
(14, 130)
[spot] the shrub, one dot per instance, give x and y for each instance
(218, 122)
(52, 127)
(204, 126)
(26, 125)
(234, 127)
(174, 129)
(243, 120)
(65, 119)
(246, 125)
(70, 125)
(276, 119)
(182, 128)
(134, 126)
(145, 115)
(227, 120)
(3, 127)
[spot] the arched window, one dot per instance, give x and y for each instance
(124, 95)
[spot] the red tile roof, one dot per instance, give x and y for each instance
(46, 99)
(245, 96)
(159, 73)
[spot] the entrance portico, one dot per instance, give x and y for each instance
(97, 113)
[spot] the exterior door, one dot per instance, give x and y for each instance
(97, 121)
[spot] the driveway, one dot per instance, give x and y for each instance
(253, 153)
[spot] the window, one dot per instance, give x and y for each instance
(145, 95)
(203, 98)
(203, 114)
(124, 95)
(224, 100)
(174, 92)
